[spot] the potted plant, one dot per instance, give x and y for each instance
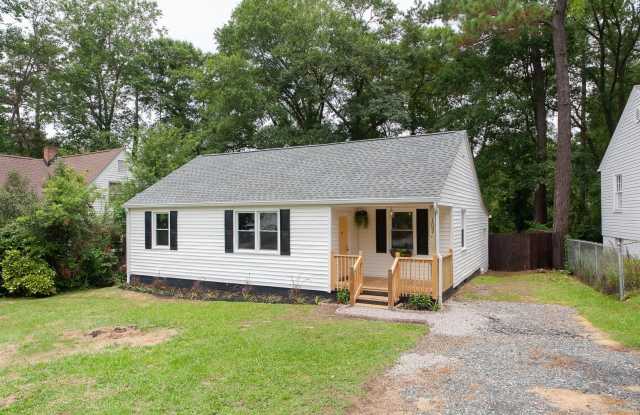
(361, 219)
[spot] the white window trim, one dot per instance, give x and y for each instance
(463, 229)
(617, 203)
(123, 163)
(413, 228)
(256, 215)
(154, 228)
(109, 188)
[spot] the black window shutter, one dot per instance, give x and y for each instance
(228, 231)
(173, 230)
(381, 230)
(147, 230)
(285, 232)
(422, 228)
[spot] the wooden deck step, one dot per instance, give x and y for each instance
(374, 298)
(371, 305)
(377, 293)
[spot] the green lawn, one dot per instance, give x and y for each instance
(621, 320)
(224, 357)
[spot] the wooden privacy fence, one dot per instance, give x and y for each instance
(520, 251)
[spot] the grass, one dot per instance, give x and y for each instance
(621, 320)
(225, 358)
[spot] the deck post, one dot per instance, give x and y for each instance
(352, 286)
(391, 296)
(438, 257)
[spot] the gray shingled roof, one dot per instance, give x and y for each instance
(413, 167)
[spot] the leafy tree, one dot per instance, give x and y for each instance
(29, 57)
(16, 198)
(153, 161)
(103, 39)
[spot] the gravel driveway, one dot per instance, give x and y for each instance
(508, 358)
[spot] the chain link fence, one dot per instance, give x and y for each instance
(604, 268)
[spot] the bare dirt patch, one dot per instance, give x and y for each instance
(8, 401)
(560, 361)
(76, 342)
(101, 338)
(599, 336)
(567, 400)
(7, 352)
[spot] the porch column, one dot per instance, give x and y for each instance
(438, 256)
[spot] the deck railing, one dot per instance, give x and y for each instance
(409, 275)
(447, 271)
(393, 280)
(342, 264)
(356, 279)
(348, 273)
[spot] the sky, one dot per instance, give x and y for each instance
(196, 20)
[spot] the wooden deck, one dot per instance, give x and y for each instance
(407, 276)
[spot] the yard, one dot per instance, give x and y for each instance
(114, 351)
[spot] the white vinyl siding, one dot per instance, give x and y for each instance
(202, 257)
(462, 193)
(110, 175)
(622, 159)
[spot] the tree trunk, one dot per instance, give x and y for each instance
(563, 155)
(540, 110)
(136, 122)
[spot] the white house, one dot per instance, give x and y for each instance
(105, 170)
(620, 181)
(295, 217)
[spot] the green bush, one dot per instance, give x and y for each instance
(64, 231)
(422, 302)
(342, 296)
(25, 275)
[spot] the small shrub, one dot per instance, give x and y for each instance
(97, 267)
(28, 276)
(342, 296)
(422, 302)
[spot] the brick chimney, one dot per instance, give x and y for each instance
(49, 154)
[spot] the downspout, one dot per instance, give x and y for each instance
(438, 256)
(127, 242)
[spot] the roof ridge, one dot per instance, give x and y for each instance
(93, 152)
(332, 144)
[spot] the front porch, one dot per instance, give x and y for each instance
(406, 276)
(405, 250)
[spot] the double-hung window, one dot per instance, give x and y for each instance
(258, 231)
(618, 192)
(161, 228)
(402, 230)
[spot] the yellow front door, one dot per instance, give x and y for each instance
(344, 235)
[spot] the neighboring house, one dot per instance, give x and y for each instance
(286, 218)
(105, 169)
(620, 181)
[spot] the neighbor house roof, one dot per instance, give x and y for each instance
(402, 168)
(89, 165)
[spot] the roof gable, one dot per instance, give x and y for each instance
(628, 116)
(88, 165)
(403, 168)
